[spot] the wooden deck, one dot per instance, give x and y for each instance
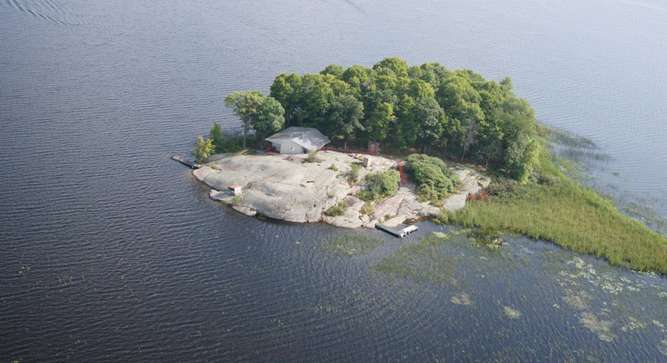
(187, 162)
(400, 233)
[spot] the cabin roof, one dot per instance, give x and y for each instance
(306, 137)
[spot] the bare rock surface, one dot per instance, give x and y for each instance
(289, 188)
(471, 182)
(352, 216)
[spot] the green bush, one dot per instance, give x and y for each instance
(433, 178)
(380, 185)
(336, 210)
(203, 149)
(353, 174)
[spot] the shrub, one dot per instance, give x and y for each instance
(433, 178)
(203, 149)
(353, 174)
(312, 157)
(336, 210)
(380, 185)
(367, 209)
(222, 143)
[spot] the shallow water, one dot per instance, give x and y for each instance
(112, 252)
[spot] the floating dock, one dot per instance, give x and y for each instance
(187, 162)
(400, 233)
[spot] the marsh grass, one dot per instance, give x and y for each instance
(572, 216)
(352, 244)
(421, 262)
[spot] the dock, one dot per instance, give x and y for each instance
(400, 233)
(187, 162)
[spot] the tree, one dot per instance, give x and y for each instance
(286, 89)
(216, 137)
(203, 149)
(334, 70)
(378, 120)
(395, 65)
(461, 101)
(458, 113)
(256, 111)
(270, 118)
(358, 77)
(345, 116)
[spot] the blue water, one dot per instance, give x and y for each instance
(112, 252)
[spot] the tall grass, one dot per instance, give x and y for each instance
(571, 215)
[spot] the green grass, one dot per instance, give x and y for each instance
(352, 244)
(573, 216)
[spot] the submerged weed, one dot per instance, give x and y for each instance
(423, 262)
(352, 244)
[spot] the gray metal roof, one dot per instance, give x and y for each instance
(306, 137)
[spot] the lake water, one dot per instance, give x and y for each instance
(109, 251)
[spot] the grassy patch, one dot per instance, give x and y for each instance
(571, 216)
(352, 244)
(336, 210)
(422, 262)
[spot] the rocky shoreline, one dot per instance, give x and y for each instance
(295, 188)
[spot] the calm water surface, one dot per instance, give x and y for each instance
(111, 252)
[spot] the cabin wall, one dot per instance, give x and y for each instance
(290, 148)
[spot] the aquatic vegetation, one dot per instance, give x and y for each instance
(601, 328)
(511, 313)
(579, 300)
(461, 299)
(422, 262)
(488, 237)
(567, 138)
(663, 347)
(352, 244)
(633, 324)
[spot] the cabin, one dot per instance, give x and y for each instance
(297, 140)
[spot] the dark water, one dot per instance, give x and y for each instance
(109, 251)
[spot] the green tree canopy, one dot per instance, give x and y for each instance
(257, 112)
(456, 113)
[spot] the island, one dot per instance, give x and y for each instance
(405, 143)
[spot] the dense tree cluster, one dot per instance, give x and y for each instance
(454, 113)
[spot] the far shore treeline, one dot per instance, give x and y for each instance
(457, 114)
